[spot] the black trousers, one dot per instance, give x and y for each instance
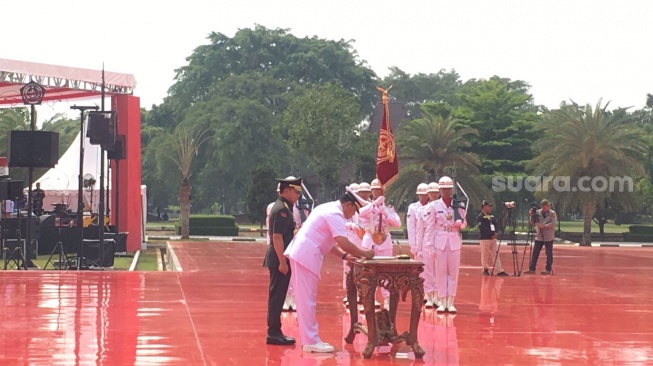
(548, 248)
(278, 289)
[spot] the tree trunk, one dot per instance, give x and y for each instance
(589, 208)
(184, 206)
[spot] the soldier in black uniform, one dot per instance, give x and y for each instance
(282, 228)
(37, 200)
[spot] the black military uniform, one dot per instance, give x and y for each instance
(281, 222)
(37, 200)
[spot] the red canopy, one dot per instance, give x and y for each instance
(60, 82)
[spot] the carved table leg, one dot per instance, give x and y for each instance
(417, 296)
(353, 305)
(394, 304)
(368, 289)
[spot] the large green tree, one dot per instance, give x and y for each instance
(414, 90)
(585, 141)
(503, 113)
(323, 126)
(239, 87)
(260, 193)
(275, 52)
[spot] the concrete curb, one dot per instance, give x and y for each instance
(173, 261)
(132, 266)
(618, 245)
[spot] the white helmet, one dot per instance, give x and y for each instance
(376, 184)
(364, 187)
(445, 182)
(354, 187)
(422, 188)
(433, 187)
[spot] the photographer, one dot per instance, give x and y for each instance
(544, 220)
(488, 227)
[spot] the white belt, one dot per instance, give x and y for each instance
(447, 229)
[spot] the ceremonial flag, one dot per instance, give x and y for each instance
(387, 165)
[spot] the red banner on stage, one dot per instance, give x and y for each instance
(387, 165)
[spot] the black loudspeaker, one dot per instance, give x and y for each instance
(11, 190)
(119, 151)
(101, 129)
(100, 254)
(33, 149)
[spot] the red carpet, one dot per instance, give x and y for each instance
(596, 309)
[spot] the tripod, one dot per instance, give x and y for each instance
(509, 222)
(59, 250)
(13, 257)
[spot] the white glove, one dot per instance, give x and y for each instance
(379, 201)
(458, 224)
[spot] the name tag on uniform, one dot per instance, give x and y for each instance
(492, 227)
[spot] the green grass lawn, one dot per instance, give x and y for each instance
(147, 260)
(119, 263)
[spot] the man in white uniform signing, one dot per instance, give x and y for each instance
(323, 232)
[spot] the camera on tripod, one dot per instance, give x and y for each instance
(533, 213)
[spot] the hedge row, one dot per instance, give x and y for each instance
(639, 238)
(641, 230)
(215, 225)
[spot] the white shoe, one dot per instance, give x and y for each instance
(291, 303)
(318, 348)
(376, 304)
(429, 304)
(435, 300)
(450, 307)
(442, 305)
(386, 303)
(286, 305)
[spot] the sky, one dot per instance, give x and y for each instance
(579, 50)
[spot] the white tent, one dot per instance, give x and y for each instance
(61, 182)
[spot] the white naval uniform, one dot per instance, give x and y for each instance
(352, 234)
(448, 242)
(389, 218)
(306, 253)
(411, 225)
(427, 248)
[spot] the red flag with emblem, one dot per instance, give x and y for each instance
(387, 166)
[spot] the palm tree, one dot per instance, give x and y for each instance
(429, 148)
(589, 142)
(10, 120)
(186, 147)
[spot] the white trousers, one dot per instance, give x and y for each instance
(488, 251)
(305, 288)
(429, 275)
(446, 272)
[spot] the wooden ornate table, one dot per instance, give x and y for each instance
(398, 276)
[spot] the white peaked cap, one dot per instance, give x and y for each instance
(354, 187)
(445, 182)
(364, 187)
(355, 198)
(422, 188)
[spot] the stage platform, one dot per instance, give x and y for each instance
(595, 310)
